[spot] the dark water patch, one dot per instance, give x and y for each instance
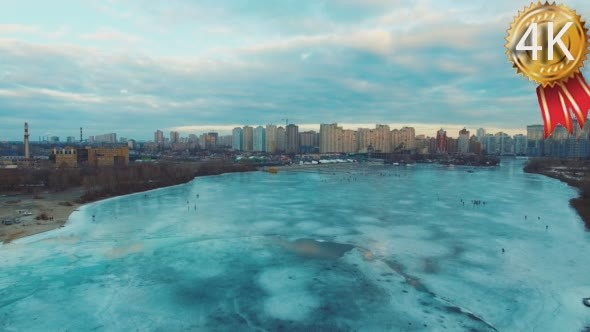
(431, 265)
(310, 248)
(457, 251)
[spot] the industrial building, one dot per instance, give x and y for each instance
(88, 156)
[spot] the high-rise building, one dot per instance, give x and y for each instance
(481, 133)
(159, 137)
(174, 137)
(452, 145)
(271, 138)
(247, 139)
(562, 144)
(520, 144)
(236, 142)
(330, 135)
(578, 148)
(535, 132)
(110, 138)
(432, 148)
(578, 132)
(441, 142)
(348, 141)
(489, 142)
(308, 141)
(292, 132)
(213, 139)
(382, 138)
(475, 146)
(208, 141)
(203, 141)
(259, 144)
(396, 141)
(281, 139)
(225, 141)
(463, 142)
(365, 139)
(535, 140)
(504, 143)
(560, 133)
(408, 137)
(71, 139)
(421, 144)
(586, 130)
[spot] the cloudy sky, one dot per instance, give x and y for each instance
(132, 67)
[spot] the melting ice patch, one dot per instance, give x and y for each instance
(290, 297)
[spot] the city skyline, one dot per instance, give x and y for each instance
(148, 133)
(333, 138)
(184, 64)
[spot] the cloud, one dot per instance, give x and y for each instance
(107, 34)
(374, 41)
(12, 29)
(215, 64)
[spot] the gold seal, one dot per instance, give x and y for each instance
(547, 43)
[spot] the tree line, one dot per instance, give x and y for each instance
(104, 182)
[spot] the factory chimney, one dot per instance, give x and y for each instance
(80, 134)
(27, 151)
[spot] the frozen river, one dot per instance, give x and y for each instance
(362, 248)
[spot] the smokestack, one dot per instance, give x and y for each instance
(80, 134)
(27, 152)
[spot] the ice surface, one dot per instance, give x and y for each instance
(266, 252)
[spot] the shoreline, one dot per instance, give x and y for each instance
(581, 203)
(58, 207)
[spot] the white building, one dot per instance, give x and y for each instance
(236, 143)
(106, 138)
(481, 134)
(463, 142)
(259, 144)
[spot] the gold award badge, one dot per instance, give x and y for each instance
(548, 43)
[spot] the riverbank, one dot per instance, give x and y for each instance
(574, 173)
(39, 213)
(30, 213)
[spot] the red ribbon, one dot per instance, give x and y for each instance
(557, 101)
